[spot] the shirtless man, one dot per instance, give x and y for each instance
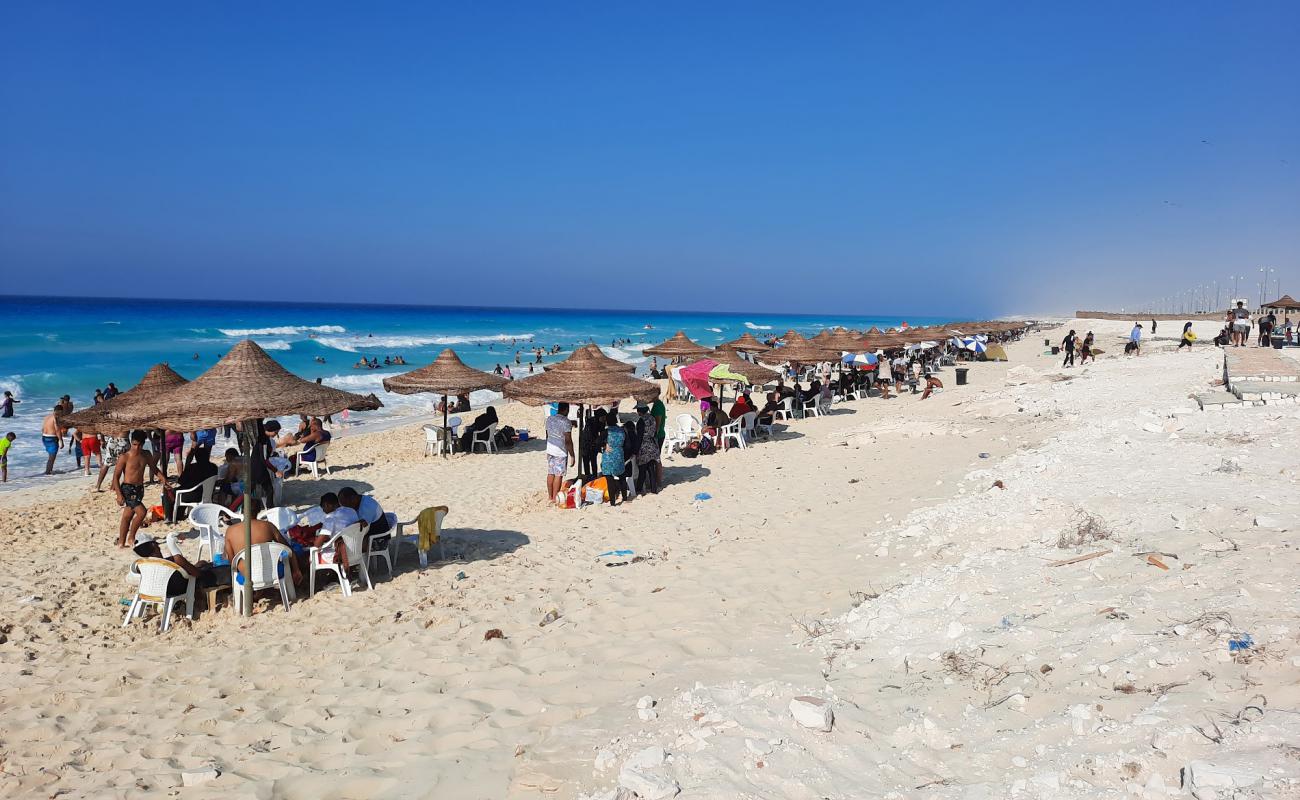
(51, 438)
(263, 532)
(128, 485)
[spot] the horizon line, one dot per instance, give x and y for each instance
(271, 303)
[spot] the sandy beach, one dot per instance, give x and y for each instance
(899, 560)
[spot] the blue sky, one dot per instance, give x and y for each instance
(959, 158)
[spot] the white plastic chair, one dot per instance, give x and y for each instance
(732, 432)
(282, 517)
(785, 411)
(630, 473)
(270, 570)
(432, 440)
(378, 545)
(155, 574)
(812, 407)
(486, 438)
(688, 426)
(748, 422)
(321, 449)
(322, 558)
(193, 496)
(400, 537)
(206, 520)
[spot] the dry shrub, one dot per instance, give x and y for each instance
(1086, 529)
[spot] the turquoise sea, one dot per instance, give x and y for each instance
(52, 346)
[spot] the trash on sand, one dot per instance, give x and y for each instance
(460, 576)
(495, 633)
(550, 617)
(1241, 642)
(609, 553)
(703, 496)
(984, 455)
(1156, 562)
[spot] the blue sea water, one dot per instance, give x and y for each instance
(54, 346)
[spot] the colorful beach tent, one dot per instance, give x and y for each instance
(696, 377)
(994, 352)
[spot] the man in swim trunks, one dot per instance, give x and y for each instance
(263, 531)
(51, 439)
(128, 485)
(5, 442)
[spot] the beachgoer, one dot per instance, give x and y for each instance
(482, 422)
(206, 575)
(1135, 339)
(128, 485)
(1067, 344)
(113, 448)
(74, 444)
(261, 532)
(5, 444)
(173, 445)
(7, 405)
(590, 442)
(111, 391)
(1187, 338)
(647, 456)
(316, 434)
(1153, 327)
(932, 382)
(1085, 349)
(1240, 319)
(90, 446)
(369, 513)
(741, 407)
(559, 449)
(198, 470)
(50, 438)
(613, 459)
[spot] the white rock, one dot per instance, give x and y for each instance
(604, 760)
(1080, 719)
(649, 758)
(1203, 778)
(1269, 522)
(758, 747)
(955, 629)
(912, 531)
(1019, 761)
(647, 714)
(647, 785)
(812, 712)
(195, 777)
(646, 702)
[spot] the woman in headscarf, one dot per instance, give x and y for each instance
(481, 423)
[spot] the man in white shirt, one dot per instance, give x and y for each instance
(368, 510)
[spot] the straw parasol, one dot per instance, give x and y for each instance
(245, 384)
(747, 344)
(447, 375)
(754, 373)
(599, 355)
(803, 351)
(677, 347)
(159, 380)
(581, 379)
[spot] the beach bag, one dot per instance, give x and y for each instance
(506, 437)
(690, 450)
(706, 446)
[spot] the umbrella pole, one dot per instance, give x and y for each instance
(578, 449)
(446, 445)
(249, 436)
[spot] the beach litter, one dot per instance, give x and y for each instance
(1240, 643)
(703, 496)
(494, 633)
(551, 616)
(460, 576)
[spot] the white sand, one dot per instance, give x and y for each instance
(935, 675)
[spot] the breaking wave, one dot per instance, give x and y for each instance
(284, 330)
(355, 343)
(754, 327)
(275, 344)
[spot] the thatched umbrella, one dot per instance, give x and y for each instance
(803, 351)
(447, 376)
(581, 379)
(599, 355)
(748, 344)
(679, 346)
(245, 386)
(159, 380)
(754, 373)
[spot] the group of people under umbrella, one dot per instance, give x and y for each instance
(248, 389)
